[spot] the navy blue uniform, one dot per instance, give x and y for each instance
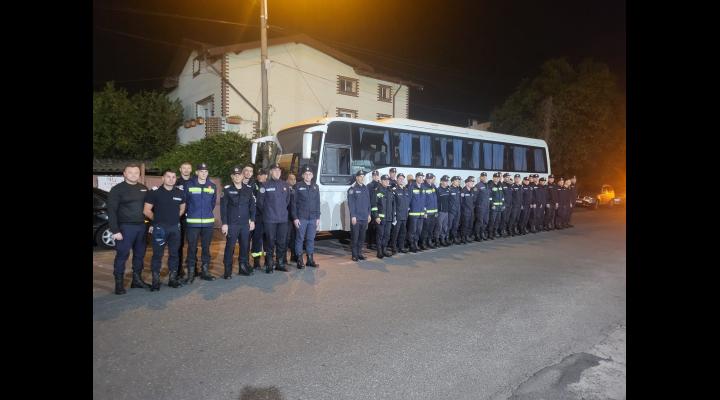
(454, 213)
(292, 232)
(482, 209)
(305, 207)
(507, 208)
(573, 196)
(442, 229)
(372, 187)
(201, 199)
(552, 206)
(384, 210)
(431, 211)
(274, 199)
(258, 235)
(237, 210)
(467, 210)
(497, 202)
(541, 200)
(359, 207)
(533, 207)
(564, 209)
(416, 215)
(402, 208)
(525, 207)
(516, 206)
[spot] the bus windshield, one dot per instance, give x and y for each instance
(291, 143)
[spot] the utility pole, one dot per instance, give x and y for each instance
(263, 66)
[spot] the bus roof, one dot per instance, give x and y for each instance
(423, 126)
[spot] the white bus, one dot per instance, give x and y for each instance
(338, 147)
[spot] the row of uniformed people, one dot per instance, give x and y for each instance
(420, 215)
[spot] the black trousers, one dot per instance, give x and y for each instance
(495, 219)
(428, 227)
(453, 225)
(172, 242)
(466, 225)
(357, 235)
(515, 219)
(183, 229)
(258, 238)
(275, 240)
(193, 233)
(505, 221)
(398, 234)
(550, 217)
(524, 217)
(371, 233)
(382, 233)
(414, 229)
(539, 216)
(237, 232)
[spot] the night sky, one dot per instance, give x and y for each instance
(469, 55)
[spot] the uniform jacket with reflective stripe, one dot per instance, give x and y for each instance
(358, 201)
(384, 204)
(237, 206)
(274, 199)
(417, 200)
(402, 203)
(305, 203)
(497, 197)
(200, 202)
(431, 200)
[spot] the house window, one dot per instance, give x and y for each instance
(385, 93)
(344, 112)
(379, 116)
(205, 108)
(196, 66)
(347, 86)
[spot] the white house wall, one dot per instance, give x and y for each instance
(191, 90)
(295, 68)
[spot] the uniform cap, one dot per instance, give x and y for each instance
(429, 175)
(262, 172)
(551, 176)
(306, 169)
(236, 170)
(542, 179)
(517, 175)
(496, 175)
(275, 166)
(526, 178)
(455, 178)
(445, 178)
(483, 174)
(384, 178)
(419, 174)
(401, 175)
(201, 166)
(505, 175)
(360, 173)
(469, 179)
(375, 173)
(393, 169)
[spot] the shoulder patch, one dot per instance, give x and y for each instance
(262, 189)
(227, 186)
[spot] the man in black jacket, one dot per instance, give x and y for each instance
(127, 222)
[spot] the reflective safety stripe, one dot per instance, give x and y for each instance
(381, 215)
(432, 210)
(258, 254)
(498, 203)
(380, 195)
(194, 190)
(208, 190)
(416, 190)
(415, 214)
(200, 220)
(373, 209)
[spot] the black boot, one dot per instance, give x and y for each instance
(281, 265)
(228, 272)
(393, 250)
(311, 261)
(379, 253)
(300, 264)
(119, 288)
(386, 252)
(403, 250)
(432, 243)
(205, 275)
(173, 281)
(243, 269)
(293, 257)
(269, 267)
(190, 278)
(180, 272)
(155, 282)
(137, 282)
(256, 262)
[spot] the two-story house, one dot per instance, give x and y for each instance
(306, 79)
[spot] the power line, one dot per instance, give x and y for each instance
(160, 14)
(130, 35)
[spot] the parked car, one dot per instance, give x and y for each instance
(101, 233)
(604, 197)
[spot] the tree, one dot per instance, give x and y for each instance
(578, 111)
(141, 126)
(220, 152)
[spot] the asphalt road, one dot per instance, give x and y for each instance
(530, 317)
